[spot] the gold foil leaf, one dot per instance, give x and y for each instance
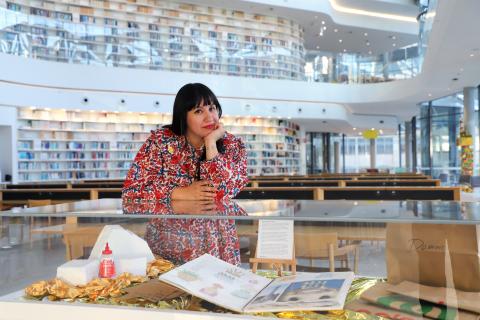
(37, 289)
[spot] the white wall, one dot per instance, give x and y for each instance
(8, 144)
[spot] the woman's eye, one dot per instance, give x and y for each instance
(198, 111)
(213, 108)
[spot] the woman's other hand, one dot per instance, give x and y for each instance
(194, 207)
(198, 190)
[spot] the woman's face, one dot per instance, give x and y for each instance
(202, 120)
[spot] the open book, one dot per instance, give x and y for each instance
(240, 290)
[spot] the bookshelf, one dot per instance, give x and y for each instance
(70, 145)
(163, 35)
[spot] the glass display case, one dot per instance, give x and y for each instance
(424, 244)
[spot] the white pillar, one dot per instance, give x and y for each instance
(469, 119)
(336, 156)
(373, 154)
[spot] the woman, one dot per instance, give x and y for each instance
(191, 159)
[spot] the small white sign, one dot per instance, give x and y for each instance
(275, 239)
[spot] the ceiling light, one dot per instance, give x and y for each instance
(373, 128)
(367, 43)
(354, 129)
(323, 22)
(381, 131)
(461, 69)
(344, 50)
(316, 17)
(344, 9)
(429, 94)
(359, 133)
(393, 37)
(472, 55)
(365, 34)
(318, 47)
(393, 44)
(324, 27)
(369, 52)
(340, 40)
(335, 30)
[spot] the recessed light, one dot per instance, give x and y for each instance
(393, 37)
(373, 128)
(324, 27)
(354, 129)
(323, 22)
(359, 133)
(367, 43)
(340, 40)
(381, 131)
(472, 55)
(365, 34)
(393, 44)
(318, 47)
(429, 94)
(335, 30)
(344, 50)
(369, 52)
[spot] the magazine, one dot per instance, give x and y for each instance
(240, 290)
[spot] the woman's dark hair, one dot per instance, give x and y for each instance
(188, 97)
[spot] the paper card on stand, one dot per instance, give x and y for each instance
(124, 244)
(275, 239)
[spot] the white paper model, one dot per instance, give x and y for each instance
(240, 290)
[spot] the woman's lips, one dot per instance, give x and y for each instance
(210, 126)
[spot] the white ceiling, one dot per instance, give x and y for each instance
(351, 33)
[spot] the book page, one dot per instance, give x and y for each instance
(304, 291)
(275, 239)
(217, 281)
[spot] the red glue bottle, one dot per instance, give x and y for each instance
(107, 266)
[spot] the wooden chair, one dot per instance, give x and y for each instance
(322, 246)
(39, 203)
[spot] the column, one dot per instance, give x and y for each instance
(469, 120)
(408, 146)
(336, 156)
(373, 153)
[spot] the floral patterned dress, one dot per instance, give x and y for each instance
(166, 161)
(180, 240)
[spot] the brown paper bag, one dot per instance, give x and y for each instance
(417, 253)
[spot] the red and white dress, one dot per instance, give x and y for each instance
(166, 161)
(180, 240)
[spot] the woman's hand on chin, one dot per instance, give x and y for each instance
(215, 135)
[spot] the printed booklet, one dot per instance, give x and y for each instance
(241, 290)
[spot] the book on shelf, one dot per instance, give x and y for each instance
(240, 290)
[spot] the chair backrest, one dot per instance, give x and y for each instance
(38, 203)
(475, 181)
(314, 244)
(443, 177)
(464, 179)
